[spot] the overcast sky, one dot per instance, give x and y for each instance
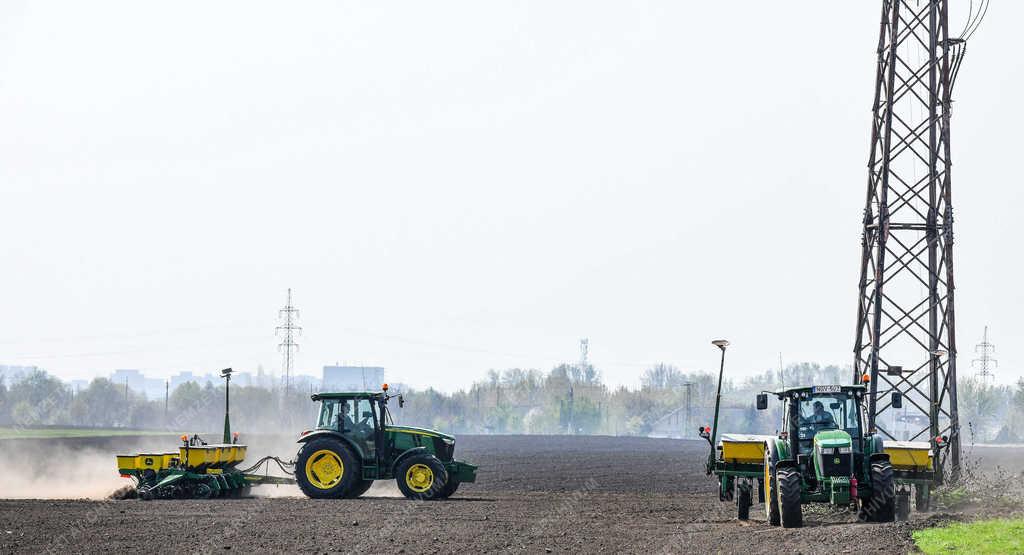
(450, 187)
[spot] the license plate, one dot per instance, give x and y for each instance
(827, 389)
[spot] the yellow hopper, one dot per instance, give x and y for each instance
(909, 455)
(742, 448)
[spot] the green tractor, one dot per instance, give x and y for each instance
(823, 455)
(355, 443)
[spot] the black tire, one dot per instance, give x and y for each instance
(903, 506)
(881, 506)
(743, 502)
(449, 489)
(771, 500)
(421, 477)
(922, 499)
(360, 488)
(789, 484)
(322, 456)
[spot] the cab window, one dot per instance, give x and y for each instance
(328, 414)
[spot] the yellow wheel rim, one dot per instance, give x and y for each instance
(419, 477)
(324, 469)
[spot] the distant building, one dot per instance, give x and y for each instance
(352, 378)
(152, 388)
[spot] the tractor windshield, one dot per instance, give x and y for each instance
(828, 411)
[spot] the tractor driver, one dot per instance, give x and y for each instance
(347, 424)
(821, 419)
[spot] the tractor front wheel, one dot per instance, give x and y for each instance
(326, 469)
(789, 484)
(771, 501)
(421, 477)
(449, 489)
(743, 502)
(881, 506)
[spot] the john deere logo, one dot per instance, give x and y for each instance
(837, 460)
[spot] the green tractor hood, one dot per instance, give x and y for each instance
(829, 439)
(832, 466)
(418, 431)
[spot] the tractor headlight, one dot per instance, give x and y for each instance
(843, 450)
(449, 442)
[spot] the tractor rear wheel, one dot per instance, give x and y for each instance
(789, 485)
(771, 501)
(421, 477)
(743, 502)
(326, 468)
(922, 498)
(359, 488)
(881, 506)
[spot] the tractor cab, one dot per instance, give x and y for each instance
(813, 410)
(822, 427)
(358, 416)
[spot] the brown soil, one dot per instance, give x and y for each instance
(534, 494)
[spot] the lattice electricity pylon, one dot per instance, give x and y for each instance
(906, 338)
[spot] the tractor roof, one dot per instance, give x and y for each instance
(822, 389)
(346, 395)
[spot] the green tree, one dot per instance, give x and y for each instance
(104, 404)
(39, 399)
(5, 408)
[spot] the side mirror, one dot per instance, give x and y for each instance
(401, 401)
(897, 400)
(762, 401)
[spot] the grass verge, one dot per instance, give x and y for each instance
(985, 536)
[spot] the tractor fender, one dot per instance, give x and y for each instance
(875, 445)
(779, 449)
(408, 453)
(785, 463)
(317, 434)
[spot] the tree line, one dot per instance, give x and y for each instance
(566, 399)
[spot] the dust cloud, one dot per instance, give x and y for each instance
(32, 470)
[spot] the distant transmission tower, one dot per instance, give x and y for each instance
(584, 351)
(906, 340)
(986, 363)
(289, 330)
(571, 401)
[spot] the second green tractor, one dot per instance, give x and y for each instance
(353, 444)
